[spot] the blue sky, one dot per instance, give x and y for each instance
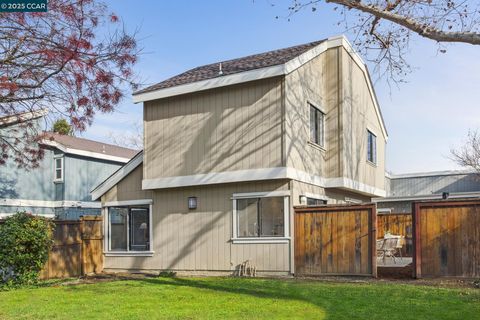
(425, 117)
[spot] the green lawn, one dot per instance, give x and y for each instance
(233, 298)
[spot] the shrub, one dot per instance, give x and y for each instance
(24, 246)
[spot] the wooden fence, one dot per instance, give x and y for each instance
(77, 249)
(397, 224)
(447, 238)
(335, 240)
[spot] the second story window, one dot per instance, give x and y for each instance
(317, 126)
(58, 169)
(371, 147)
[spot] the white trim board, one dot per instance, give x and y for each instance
(452, 195)
(46, 215)
(429, 174)
(215, 178)
(128, 203)
(268, 72)
(261, 174)
(50, 204)
(84, 153)
(117, 176)
(247, 195)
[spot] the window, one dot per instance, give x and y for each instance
(315, 202)
(371, 147)
(261, 217)
(129, 228)
(317, 126)
(58, 169)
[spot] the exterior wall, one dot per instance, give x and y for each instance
(233, 128)
(336, 85)
(435, 184)
(358, 115)
(314, 82)
(396, 206)
(333, 196)
(426, 185)
(196, 240)
(36, 184)
(81, 175)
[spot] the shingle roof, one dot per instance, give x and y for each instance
(90, 145)
(256, 61)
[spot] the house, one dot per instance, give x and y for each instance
(231, 147)
(404, 189)
(60, 187)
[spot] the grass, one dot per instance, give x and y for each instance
(233, 298)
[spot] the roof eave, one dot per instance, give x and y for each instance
(84, 153)
(218, 82)
(269, 72)
(117, 176)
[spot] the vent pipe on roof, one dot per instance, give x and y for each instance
(220, 71)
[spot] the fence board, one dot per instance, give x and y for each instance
(335, 240)
(77, 248)
(447, 239)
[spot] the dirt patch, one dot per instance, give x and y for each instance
(439, 282)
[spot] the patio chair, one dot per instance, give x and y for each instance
(387, 247)
(399, 245)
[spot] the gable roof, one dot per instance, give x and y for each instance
(117, 176)
(229, 67)
(255, 67)
(88, 148)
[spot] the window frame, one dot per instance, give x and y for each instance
(60, 157)
(317, 110)
(372, 149)
(107, 230)
(255, 195)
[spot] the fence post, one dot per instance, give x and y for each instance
(417, 253)
(373, 239)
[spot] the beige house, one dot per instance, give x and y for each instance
(232, 147)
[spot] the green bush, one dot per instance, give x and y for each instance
(24, 246)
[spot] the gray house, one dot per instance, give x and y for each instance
(60, 187)
(403, 189)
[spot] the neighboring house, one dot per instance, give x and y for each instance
(231, 147)
(403, 189)
(60, 187)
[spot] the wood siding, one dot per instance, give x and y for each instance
(226, 129)
(335, 84)
(200, 239)
(447, 237)
(333, 196)
(358, 115)
(316, 83)
(335, 240)
(434, 184)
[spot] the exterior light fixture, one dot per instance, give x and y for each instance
(445, 195)
(192, 203)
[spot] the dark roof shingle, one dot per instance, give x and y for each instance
(256, 61)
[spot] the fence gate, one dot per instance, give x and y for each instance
(77, 249)
(335, 240)
(447, 238)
